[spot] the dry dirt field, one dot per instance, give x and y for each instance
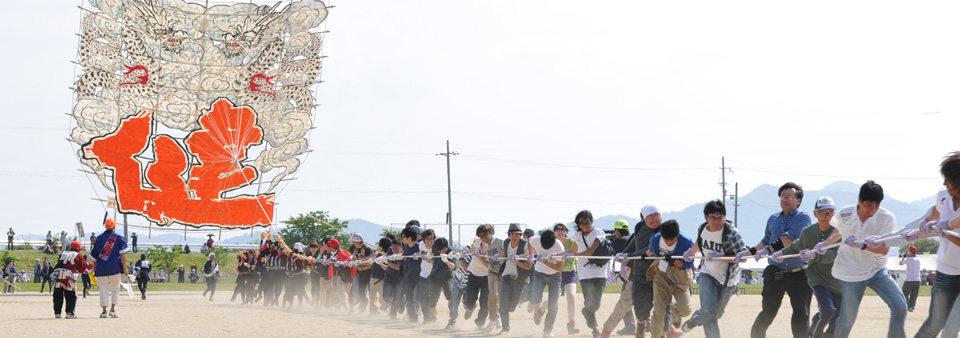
(182, 314)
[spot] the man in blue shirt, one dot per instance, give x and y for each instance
(788, 275)
(108, 262)
(411, 267)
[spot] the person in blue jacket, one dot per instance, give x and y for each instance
(671, 275)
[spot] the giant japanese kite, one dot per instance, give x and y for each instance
(182, 110)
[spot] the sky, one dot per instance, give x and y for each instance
(553, 107)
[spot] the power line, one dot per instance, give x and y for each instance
(494, 159)
(838, 176)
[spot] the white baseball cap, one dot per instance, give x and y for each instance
(824, 202)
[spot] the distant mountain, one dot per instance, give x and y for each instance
(758, 205)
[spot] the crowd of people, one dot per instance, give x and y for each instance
(833, 256)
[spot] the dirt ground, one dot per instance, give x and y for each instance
(181, 314)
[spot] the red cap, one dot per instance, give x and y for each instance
(334, 243)
(75, 245)
(110, 223)
(912, 249)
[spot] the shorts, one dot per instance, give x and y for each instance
(568, 277)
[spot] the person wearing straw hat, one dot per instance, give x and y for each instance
(211, 269)
(911, 286)
(819, 276)
(718, 280)
(859, 266)
(71, 262)
(109, 260)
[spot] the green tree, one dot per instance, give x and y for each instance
(162, 258)
(929, 244)
(396, 233)
(222, 254)
(313, 226)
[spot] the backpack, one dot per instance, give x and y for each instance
(604, 249)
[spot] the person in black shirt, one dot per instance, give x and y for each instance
(142, 269)
(296, 277)
(211, 270)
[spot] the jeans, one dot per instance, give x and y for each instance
(889, 292)
(362, 284)
(457, 295)
(410, 284)
(142, 285)
(911, 290)
(592, 292)
(946, 288)
(509, 298)
(713, 302)
(952, 328)
(829, 304)
(477, 291)
(433, 290)
(795, 285)
(642, 299)
(393, 294)
(552, 282)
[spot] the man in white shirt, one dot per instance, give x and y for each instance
(911, 286)
(593, 277)
(546, 273)
(859, 266)
(492, 246)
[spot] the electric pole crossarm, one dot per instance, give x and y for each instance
(449, 193)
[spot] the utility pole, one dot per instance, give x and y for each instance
(449, 196)
(736, 201)
(723, 177)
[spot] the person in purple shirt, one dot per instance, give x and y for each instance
(108, 262)
(786, 276)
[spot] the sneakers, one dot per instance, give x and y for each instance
(530, 307)
(674, 333)
(548, 334)
(596, 333)
(145, 297)
(450, 325)
(687, 326)
(537, 316)
(489, 327)
(626, 331)
(113, 314)
(503, 332)
(572, 329)
(70, 316)
(467, 313)
(56, 315)
(103, 315)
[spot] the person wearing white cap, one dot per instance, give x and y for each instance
(825, 287)
(362, 253)
(642, 288)
(211, 269)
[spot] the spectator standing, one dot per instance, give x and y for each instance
(36, 272)
(109, 257)
(911, 287)
(180, 274)
(45, 272)
(93, 239)
(133, 241)
(63, 241)
(10, 239)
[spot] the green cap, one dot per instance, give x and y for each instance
(621, 224)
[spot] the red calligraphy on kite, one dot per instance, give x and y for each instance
(187, 184)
